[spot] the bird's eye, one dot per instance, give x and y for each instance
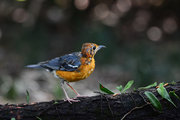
(94, 47)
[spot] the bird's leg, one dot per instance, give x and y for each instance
(73, 89)
(67, 97)
(77, 94)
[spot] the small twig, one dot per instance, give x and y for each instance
(141, 94)
(101, 104)
(109, 106)
(135, 104)
(59, 117)
(101, 98)
(135, 108)
(106, 100)
(122, 102)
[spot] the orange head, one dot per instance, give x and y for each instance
(90, 49)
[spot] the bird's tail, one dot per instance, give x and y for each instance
(33, 66)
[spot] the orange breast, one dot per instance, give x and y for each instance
(82, 73)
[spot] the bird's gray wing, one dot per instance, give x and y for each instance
(68, 62)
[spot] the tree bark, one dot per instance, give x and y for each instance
(127, 106)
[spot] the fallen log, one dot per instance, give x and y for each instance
(127, 106)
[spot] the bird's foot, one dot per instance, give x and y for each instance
(71, 100)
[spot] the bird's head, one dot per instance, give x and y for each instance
(90, 49)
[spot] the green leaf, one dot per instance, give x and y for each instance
(102, 88)
(173, 82)
(163, 92)
(172, 93)
(149, 86)
(38, 118)
(13, 118)
(128, 85)
(27, 97)
(55, 102)
(153, 99)
(120, 88)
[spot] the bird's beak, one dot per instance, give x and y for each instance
(101, 46)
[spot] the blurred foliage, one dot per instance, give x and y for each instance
(58, 93)
(142, 39)
(11, 94)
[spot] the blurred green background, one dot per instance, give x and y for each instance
(142, 39)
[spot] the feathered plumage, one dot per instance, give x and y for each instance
(68, 62)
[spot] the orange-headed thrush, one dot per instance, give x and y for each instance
(72, 67)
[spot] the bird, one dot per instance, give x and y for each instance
(72, 67)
